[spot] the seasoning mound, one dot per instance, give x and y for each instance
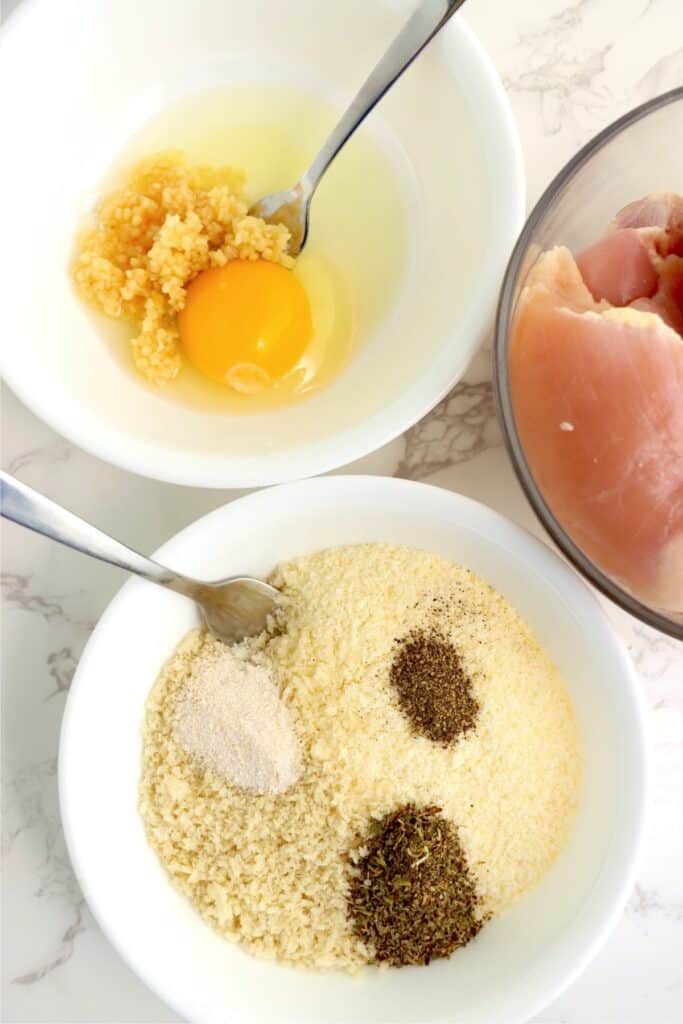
(412, 897)
(272, 871)
(230, 717)
(434, 691)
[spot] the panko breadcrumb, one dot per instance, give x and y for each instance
(152, 236)
(272, 871)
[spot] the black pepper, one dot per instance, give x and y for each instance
(434, 691)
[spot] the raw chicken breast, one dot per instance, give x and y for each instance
(658, 223)
(670, 292)
(619, 267)
(641, 258)
(659, 210)
(667, 301)
(598, 399)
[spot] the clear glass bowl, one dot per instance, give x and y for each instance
(638, 154)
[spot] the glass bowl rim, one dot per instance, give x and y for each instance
(501, 383)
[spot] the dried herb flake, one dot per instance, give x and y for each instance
(411, 897)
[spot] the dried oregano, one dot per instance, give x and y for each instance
(411, 897)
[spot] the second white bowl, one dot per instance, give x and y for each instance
(448, 122)
(521, 960)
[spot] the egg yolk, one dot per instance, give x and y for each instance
(246, 324)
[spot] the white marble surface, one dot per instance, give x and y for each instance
(570, 67)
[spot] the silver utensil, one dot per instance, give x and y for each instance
(232, 609)
(292, 206)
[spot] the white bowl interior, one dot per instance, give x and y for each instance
(446, 128)
(519, 961)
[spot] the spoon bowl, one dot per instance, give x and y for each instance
(291, 208)
(236, 608)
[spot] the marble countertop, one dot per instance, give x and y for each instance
(570, 67)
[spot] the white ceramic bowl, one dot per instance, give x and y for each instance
(520, 961)
(76, 101)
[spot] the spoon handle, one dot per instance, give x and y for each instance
(26, 507)
(428, 19)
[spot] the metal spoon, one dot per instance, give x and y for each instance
(291, 207)
(232, 609)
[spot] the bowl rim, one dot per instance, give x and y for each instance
(64, 413)
(549, 567)
(501, 382)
